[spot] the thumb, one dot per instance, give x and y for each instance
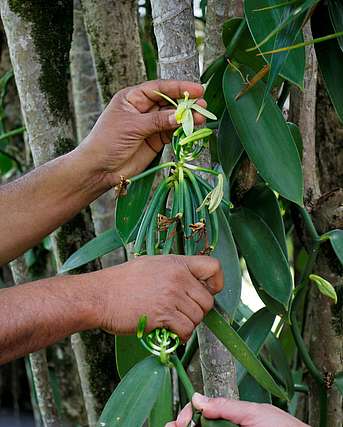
(220, 408)
(158, 121)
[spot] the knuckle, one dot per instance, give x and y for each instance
(216, 264)
(209, 302)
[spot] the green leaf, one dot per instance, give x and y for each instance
(254, 332)
(214, 93)
(279, 361)
(338, 381)
(336, 15)
(129, 209)
(253, 237)
(212, 68)
(129, 352)
(297, 138)
(133, 399)
(234, 343)
(262, 200)
(226, 252)
(268, 141)
(230, 148)
(244, 42)
(336, 239)
(330, 58)
(162, 412)
(261, 23)
(251, 391)
(101, 245)
(6, 164)
(324, 287)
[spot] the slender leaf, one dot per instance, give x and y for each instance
(234, 343)
(295, 131)
(230, 148)
(261, 23)
(133, 399)
(336, 15)
(162, 411)
(251, 391)
(129, 209)
(226, 252)
(336, 239)
(262, 200)
(101, 245)
(253, 237)
(330, 58)
(254, 332)
(268, 141)
(129, 352)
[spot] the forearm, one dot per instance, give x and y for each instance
(37, 314)
(39, 202)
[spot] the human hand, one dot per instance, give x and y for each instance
(134, 127)
(174, 292)
(245, 414)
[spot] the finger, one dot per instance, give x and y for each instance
(190, 308)
(172, 424)
(185, 416)
(181, 325)
(143, 96)
(206, 269)
(232, 410)
(202, 296)
(157, 121)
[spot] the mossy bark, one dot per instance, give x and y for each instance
(39, 37)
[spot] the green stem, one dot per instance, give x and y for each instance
(308, 223)
(182, 374)
(235, 38)
(10, 133)
(191, 348)
(152, 170)
(301, 388)
(323, 406)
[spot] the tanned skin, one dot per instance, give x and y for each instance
(173, 291)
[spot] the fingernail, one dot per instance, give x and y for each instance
(172, 119)
(198, 399)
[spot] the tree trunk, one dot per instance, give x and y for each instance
(38, 362)
(39, 37)
(178, 59)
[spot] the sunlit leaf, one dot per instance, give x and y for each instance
(129, 352)
(324, 287)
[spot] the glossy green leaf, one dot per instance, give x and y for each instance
(129, 352)
(297, 138)
(254, 332)
(253, 237)
(324, 287)
(6, 164)
(330, 58)
(336, 15)
(130, 208)
(230, 148)
(205, 422)
(262, 200)
(338, 381)
(251, 391)
(133, 399)
(272, 304)
(216, 65)
(234, 343)
(162, 411)
(101, 245)
(262, 23)
(279, 360)
(226, 252)
(245, 42)
(214, 92)
(336, 239)
(268, 141)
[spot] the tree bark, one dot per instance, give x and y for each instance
(38, 362)
(39, 38)
(112, 27)
(178, 59)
